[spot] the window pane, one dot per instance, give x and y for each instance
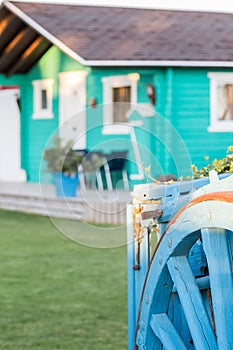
(225, 101)
(121, 103)
(44, 100)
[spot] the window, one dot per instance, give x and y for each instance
(119, 93)
(121, 98)
(43, 99)
(221, 102)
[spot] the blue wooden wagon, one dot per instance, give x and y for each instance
(180, 288)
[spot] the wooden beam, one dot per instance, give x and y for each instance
(9, 27)
(16, 47)
(192, 303)
(3, 13)
(166, 332)
(219, 256)
(30, 56)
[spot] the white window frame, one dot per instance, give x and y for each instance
(38, 86)
(109, 127)
(215, 124)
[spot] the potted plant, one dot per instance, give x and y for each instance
(63, 162)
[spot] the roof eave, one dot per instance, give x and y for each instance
(28, 20)
(109, 63)
(160, 63)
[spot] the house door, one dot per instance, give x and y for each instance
(10, 149)
(72, 107)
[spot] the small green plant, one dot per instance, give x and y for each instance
(93, 162)
(223, 165)
(61, 158)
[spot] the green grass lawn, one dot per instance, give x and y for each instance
(57, 294)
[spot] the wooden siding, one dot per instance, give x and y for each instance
(183, 111)
(191, 115)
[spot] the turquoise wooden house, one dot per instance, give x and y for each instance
(157, 84)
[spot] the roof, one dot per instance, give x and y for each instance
(95, 35)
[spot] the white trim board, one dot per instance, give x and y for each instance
(115, 81)
(217, 125)
(109, 63)
(38, 86)
(161, 63)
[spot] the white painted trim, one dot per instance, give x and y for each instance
(215, 124)
(113, 82)
(115, 129)
(221, 128)
(136, 122)
(79, 74)
(145, 110)
(10, 146)
(222, 76)
(156, 63)
(38, 112)
(120, 129)
(6, 92)
(140, 175)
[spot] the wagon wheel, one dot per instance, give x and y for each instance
(178, 310)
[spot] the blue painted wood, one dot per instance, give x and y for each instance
(202, 282)
(216, 245)
(131, 278)
(159, 297)
(136, 278)
(140, 275)
(159, 289)
(191, 300)
(178, 319)
(230, 238)
(206, 297)
(157, 293)
(197, 259)
(178, 240)
(173, 196)
(155, 191)
(166, 332)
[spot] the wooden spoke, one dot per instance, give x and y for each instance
(166, 332)
(216, 246)
(192, 303)
(177, 309)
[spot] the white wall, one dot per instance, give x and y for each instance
(10, 152)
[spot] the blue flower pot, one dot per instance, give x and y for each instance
(65, 185)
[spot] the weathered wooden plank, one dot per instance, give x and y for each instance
(29, 56)
(159, 298)
(16, 47)
(157, 191)
(166, 332)
(192, 303)
(181, 234)
(140, 274)
(131, 278)
(216, 245)
(202, 283)
(178, 319)
(10, 26)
